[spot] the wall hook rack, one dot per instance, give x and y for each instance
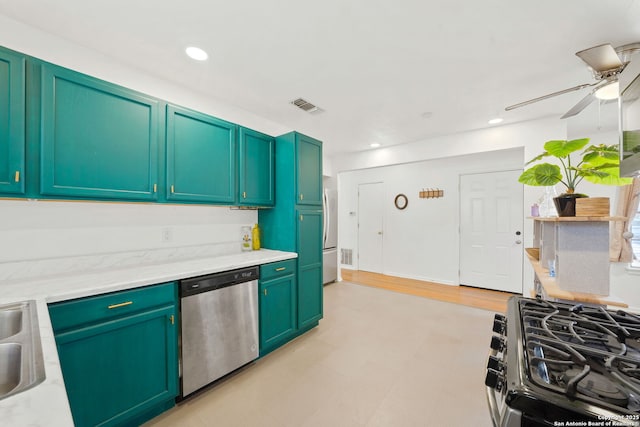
(431, 193)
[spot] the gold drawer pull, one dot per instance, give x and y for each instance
(281, 268)
(265, 292)
(17, 177)
(122, 304)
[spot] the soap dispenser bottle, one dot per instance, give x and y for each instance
(255, 237)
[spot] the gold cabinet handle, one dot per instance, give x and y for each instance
(122, 304)
(155, 188)
(17, 177)
(301, 196)
(301, 217)
(244, 194)
(172, 189)
(265, 292)
(281, 268)
(172, 319)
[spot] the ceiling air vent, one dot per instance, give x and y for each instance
(305, 105)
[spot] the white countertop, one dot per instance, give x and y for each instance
(46, 404)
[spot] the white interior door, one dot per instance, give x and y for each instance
(491, 231)
(370, 222)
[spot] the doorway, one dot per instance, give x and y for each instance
(370, 227)
(491, 220)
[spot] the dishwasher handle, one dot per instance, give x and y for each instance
(211, 282)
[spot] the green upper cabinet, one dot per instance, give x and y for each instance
(256, 169)
(12, 122)
(98, 140)
(201, 157)
(308, 170)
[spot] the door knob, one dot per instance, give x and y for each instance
(518, 242)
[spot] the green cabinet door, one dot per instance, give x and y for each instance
(256, 169)
(12, 122)
(277, 311)
(309, 170)
(98, 140)
(309, 266)
(117, 370)
(201, 157)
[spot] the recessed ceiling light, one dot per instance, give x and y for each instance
(374, 145)
(196, 53)
(496, 121)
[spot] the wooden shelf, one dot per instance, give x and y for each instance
(552, 290)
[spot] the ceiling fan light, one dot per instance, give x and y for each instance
(495, 121)
(608, 91)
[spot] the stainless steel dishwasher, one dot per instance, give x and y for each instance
(219, 326)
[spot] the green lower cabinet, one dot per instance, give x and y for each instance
(121, 370)
(277, 308)
(309, 296)
(309, 234)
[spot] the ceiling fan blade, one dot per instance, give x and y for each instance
(601, 58)
(551, 95)
(581, 105)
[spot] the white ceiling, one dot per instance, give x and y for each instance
(374, 67)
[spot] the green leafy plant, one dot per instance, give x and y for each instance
(598, 164)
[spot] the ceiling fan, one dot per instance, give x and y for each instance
(606, 63)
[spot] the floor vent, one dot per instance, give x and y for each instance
(305, 105)
(346, 256)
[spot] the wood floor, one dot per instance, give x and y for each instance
(464, 295)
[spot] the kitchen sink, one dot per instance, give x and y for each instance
(10, 323)
(10, 367)
(21, 362)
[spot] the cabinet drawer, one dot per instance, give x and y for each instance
(108, 306)
(277, 269)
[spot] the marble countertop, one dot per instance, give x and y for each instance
(46, 404)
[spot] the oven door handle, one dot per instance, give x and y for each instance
(492, 401)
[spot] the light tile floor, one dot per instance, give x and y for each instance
(378, 358)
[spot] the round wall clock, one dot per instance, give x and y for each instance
(401, 201)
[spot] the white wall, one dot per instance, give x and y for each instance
(421, 241)
(58, 237)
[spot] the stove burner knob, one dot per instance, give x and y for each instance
(499, 324)
(495, 364)
(494, 379)
(497, 343)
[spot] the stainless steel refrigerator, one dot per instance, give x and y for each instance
(330, 233)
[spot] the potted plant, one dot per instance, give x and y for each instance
(598, 164)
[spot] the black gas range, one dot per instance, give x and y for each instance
(562, 364)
